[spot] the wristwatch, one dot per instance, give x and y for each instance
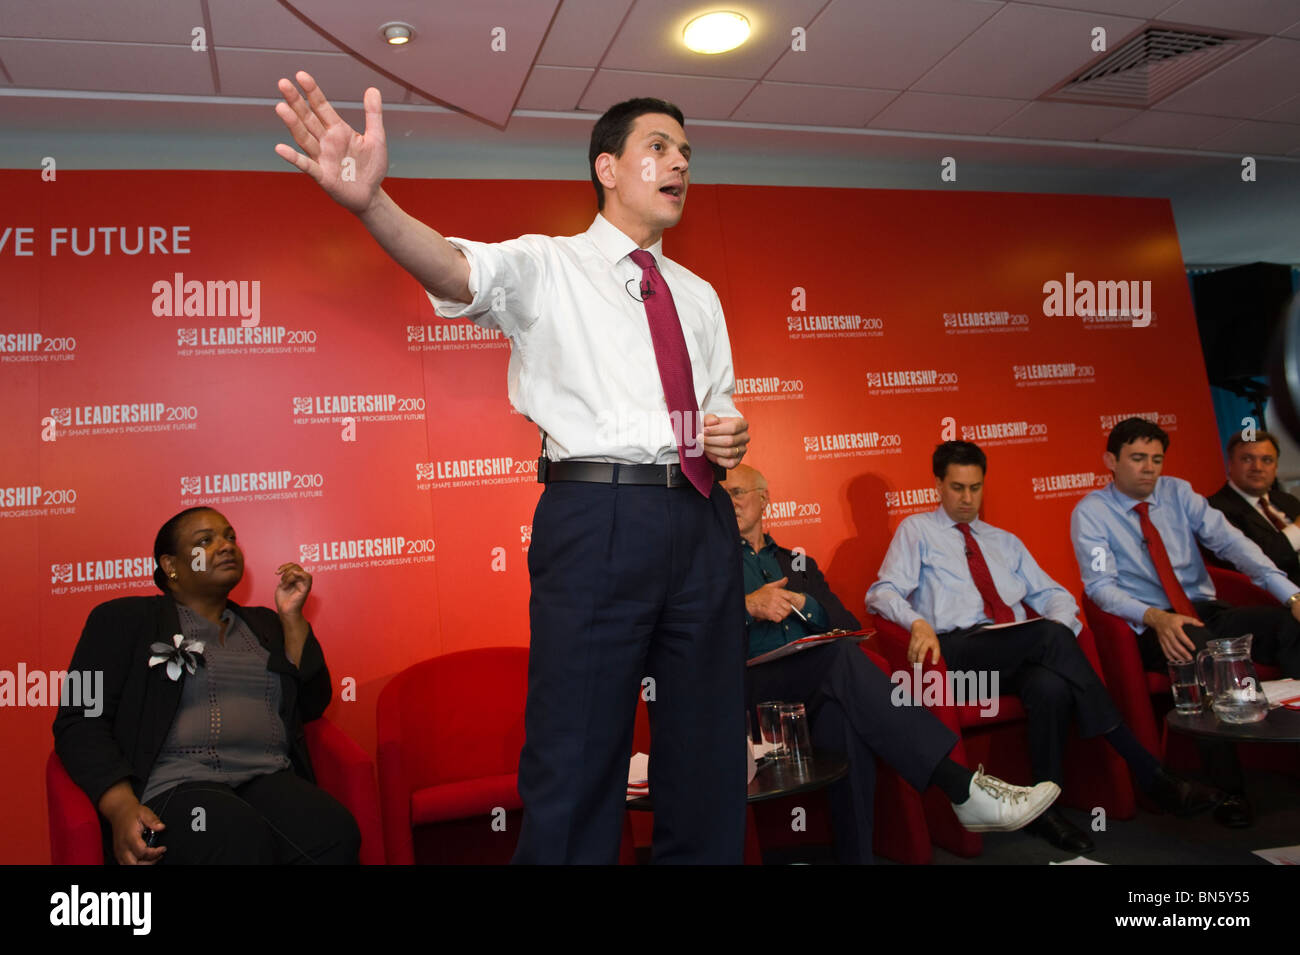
(1292, 599)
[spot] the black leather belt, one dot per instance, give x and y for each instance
(601, 472)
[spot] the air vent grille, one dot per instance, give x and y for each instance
(1149, 67)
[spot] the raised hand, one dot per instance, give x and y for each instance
(348, 165)
(292, 591)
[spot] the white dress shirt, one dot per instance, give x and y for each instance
(926, 575)
(1291, 531)
(582, 365)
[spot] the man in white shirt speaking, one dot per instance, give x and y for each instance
(622, 359)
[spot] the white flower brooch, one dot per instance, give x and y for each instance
(185, 654)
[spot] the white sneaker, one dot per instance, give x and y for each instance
(997, 806)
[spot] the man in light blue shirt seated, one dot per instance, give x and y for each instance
(849, 701)
(1141, 527)
(964, 588)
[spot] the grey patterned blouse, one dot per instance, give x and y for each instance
(227, 727)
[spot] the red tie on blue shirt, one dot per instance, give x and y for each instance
(1164, 568)
(674, 368)
(995, 607)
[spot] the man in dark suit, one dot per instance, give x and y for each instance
(1256, 505)
(850, 702)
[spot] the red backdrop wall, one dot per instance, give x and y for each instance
(922, 317)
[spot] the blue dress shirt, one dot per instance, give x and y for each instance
(925, 575)
(1120, 577)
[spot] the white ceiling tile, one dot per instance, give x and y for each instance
(1130, 8)
(1176, 130)
(1251, 16)
(650, 40)
(122, 67)
(136, 21)
(581, 32)
(699, 97)
(1063, 121)
(943, 113)
(883, 44)
(1023, 52)
(341, 77)
(553, 87)
(1270, 139)
(474, 56)
(807, 105)
(1263, 77)
(259, 25)
(1288, 112)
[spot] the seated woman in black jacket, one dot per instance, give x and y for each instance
(199, 754)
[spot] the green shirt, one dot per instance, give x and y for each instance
(764, 635)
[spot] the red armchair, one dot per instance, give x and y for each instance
(450, 731)
(1094, 774)
(1143, 698)
(342, 769)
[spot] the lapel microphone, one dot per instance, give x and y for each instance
(646, 290)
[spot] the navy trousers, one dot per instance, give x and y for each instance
(632, 582)
(1040, 661)
(1277, 635)
(847, 698)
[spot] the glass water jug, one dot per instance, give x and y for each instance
(1231, 683)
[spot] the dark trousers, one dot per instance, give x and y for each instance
(1039, 661)
(847, 698)
(1277, 643)
(276, 819)
(1277, 635)
(630, 582)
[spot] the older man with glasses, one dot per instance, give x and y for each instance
(849, 700)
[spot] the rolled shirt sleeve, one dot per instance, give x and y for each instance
(506, 281)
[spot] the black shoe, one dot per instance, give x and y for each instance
(1060, 832)
(1184, 797)
(1235, 812)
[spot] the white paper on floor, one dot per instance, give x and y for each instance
(1079, 860)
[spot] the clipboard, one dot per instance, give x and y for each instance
(807, 643)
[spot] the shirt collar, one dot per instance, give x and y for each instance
(1126, 503)
(614, 244)
(767, 541)
(944, 520)
(1252, 499)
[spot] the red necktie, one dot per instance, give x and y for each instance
(994, 607)
(674, 369)
(1268, 512)
(1164, 569)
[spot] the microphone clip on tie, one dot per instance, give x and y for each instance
(646, 291)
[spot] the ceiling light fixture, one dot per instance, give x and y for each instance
(716, 32)
(397, 34)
